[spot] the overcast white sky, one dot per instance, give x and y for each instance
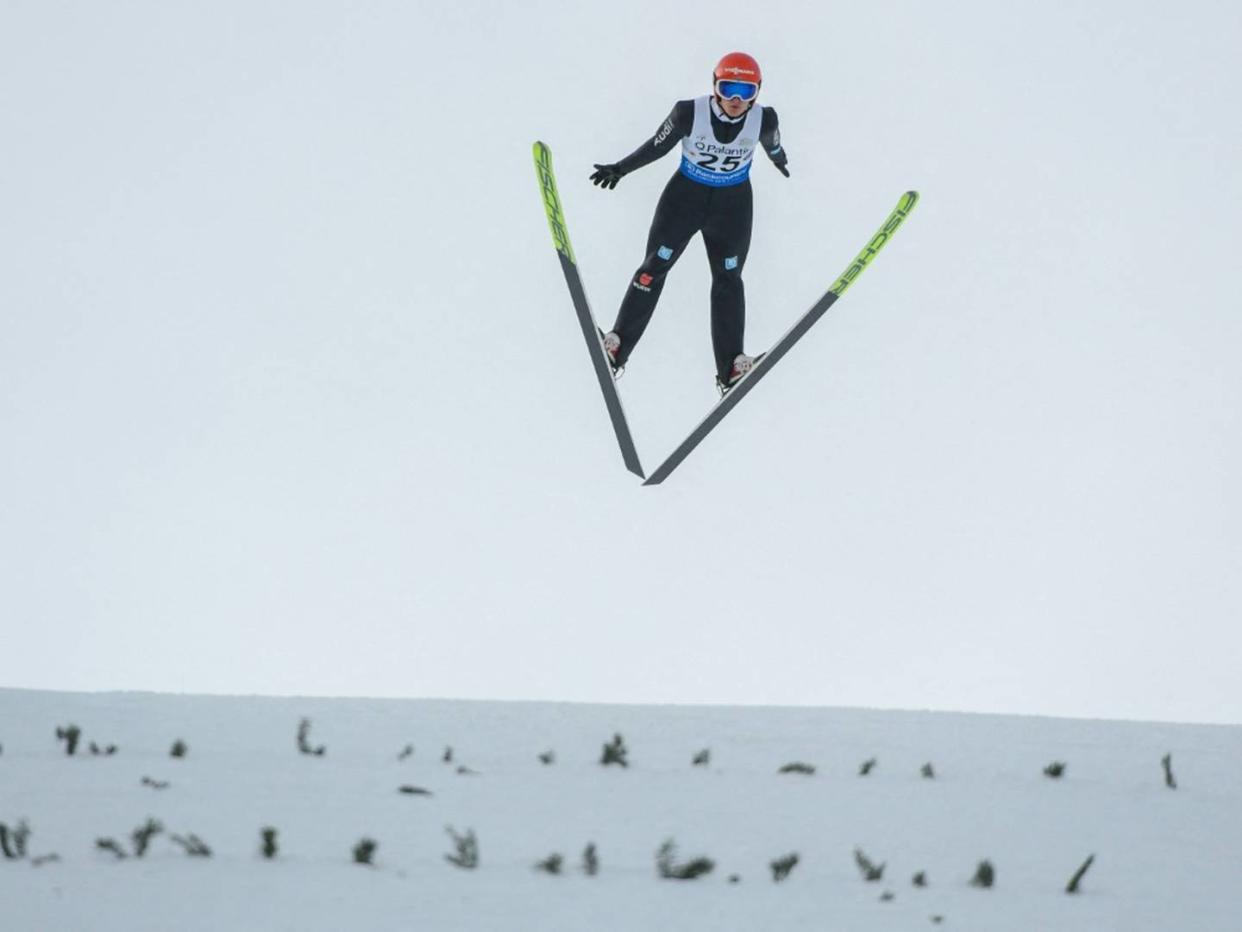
(292, 399)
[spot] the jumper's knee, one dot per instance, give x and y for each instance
(728, 268)
(653, 270)
(645, 281)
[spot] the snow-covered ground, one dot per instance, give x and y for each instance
(1165, 859)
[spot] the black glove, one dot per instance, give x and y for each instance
(607, 176)
(781, 164)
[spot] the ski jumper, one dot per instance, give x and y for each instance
(711, 193)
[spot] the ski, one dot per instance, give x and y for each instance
(590, 332)
(786, 343)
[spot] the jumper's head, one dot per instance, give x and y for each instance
(736, 81)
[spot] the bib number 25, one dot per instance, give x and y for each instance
(728, 164)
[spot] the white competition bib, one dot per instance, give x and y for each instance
(708, 161)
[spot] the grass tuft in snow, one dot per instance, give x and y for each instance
(669, 869)
(865, 768)
(179, 749)
(194, 846)
(304, 746)
(364, 851)
(1055, 769)
(13, 841)
(702, 759)
(551, 864)
(110, 844)
(615, 752)
(1072, 886)
(870, 870)
(985, 875)
(141, 838)
(928, 771)
(782, 866)
(590, 860)
(1169, 780)
(143, 834)
(270, 847)
(467, 853)
(798, 767)
(70, 735)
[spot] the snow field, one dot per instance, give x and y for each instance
(1164, 858)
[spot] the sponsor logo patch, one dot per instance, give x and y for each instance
(664, 252)
(730, 263)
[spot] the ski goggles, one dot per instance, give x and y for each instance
(743, 90)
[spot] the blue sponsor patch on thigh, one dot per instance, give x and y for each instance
(664, 253)
(730, 263)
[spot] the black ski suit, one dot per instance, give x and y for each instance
(686, 207)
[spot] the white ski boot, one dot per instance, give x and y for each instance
(742, 366)
(612, 349)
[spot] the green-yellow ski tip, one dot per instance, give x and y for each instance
(551, 199)
(876, 243)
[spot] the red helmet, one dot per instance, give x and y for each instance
(737, 66)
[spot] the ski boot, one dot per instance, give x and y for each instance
(612, 349)
(742, 366)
